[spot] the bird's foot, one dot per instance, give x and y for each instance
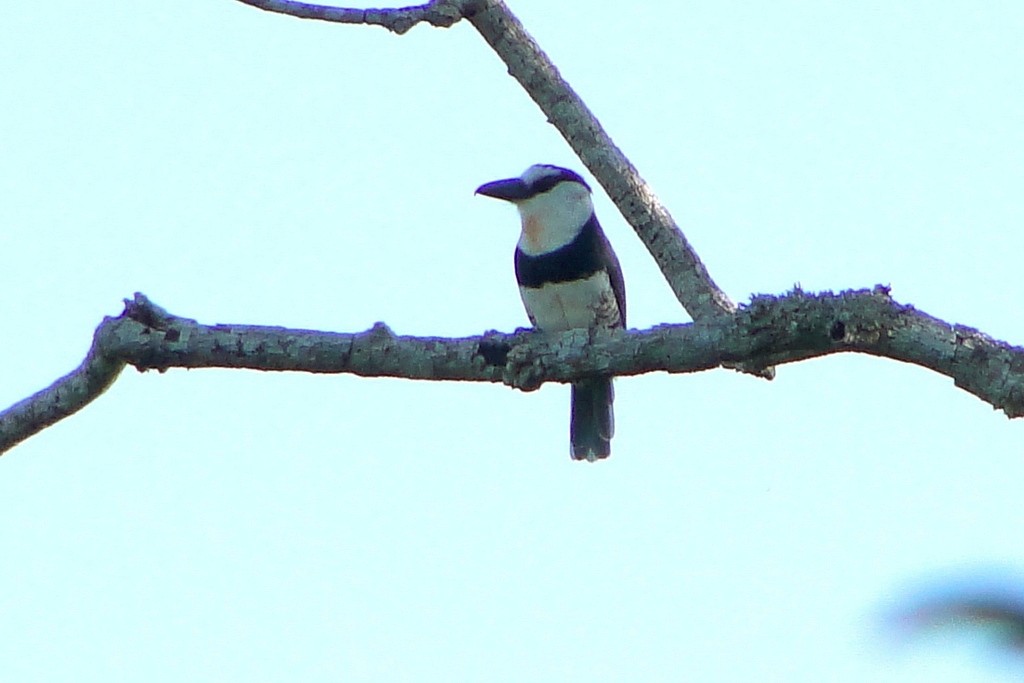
(523, 370)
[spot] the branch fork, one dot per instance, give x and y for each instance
(769, 331)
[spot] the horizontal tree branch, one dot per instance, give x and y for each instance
(441, 13)
(771, 330)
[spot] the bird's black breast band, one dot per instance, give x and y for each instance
(577, 260)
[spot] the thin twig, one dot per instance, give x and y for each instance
(441, 13)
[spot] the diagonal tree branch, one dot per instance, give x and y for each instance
(527, 63)
(653, 223)
(768, 331)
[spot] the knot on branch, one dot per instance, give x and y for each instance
(445, 13)
(380, 332)
(146, 313)
(493, 349)
(174, 333)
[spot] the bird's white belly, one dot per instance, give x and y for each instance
(561, 306)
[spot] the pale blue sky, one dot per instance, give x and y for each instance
(238, 166)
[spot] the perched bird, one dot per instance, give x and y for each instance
(569, 278)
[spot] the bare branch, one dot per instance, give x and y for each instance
(65, 397)
(679, 263)
(442, 13)
(528, 64)
(768, 331)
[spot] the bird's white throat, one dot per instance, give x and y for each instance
(552, 219)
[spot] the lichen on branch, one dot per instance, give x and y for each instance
(770, 330)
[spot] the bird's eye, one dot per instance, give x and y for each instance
(546, 183)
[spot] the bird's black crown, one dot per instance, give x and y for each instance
(548, 175)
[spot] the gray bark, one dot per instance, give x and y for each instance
(771, 330)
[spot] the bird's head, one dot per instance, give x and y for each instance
(554, 204)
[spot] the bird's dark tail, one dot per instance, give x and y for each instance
(592, 422)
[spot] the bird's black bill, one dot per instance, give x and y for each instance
(510, 190)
